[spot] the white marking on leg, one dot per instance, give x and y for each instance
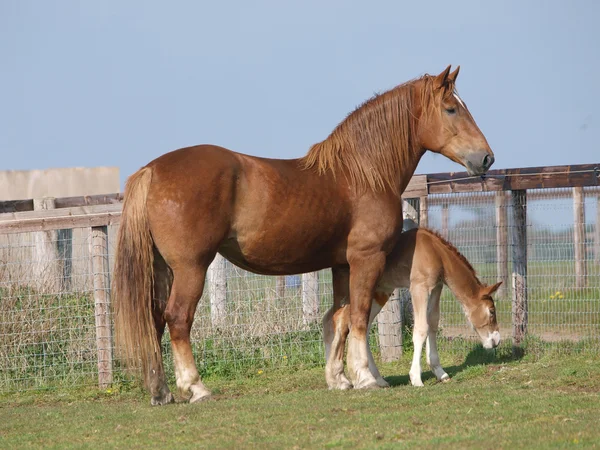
(334, 369)
(358, 362)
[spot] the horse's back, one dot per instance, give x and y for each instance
(253, 210)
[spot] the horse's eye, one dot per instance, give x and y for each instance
(451, 110)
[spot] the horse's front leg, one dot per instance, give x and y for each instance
(335, 326)
(377, 305)
(433, 320)
(420, 295)
(364, 274)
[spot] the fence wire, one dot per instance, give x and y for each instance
(246, 323)
(563, 305)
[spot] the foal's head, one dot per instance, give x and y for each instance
(447, 127)
(482, 315)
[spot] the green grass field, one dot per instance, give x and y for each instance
(549, 400)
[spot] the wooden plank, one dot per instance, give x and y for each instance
(489, 197)
(579, 237)
(89, 200)
(417, 187)
(516, 179)
(519, 276)
(101, 280)
(64, 202)
(78, 217)
(9, 206)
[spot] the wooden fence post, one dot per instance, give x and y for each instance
(423, 209)
(280, 287)
(597, 230)
(519, 275)
(101, 280)
(45, 270)
(310, 297)
(389, 328)
(501, 242)
(445, 219)
(579, 237)
(396, 313)
(217, 290)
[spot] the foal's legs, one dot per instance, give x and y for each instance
(364, 274)
(159, 390)
(420, 297)
(433, 319)
(188, 283)
(335, 326)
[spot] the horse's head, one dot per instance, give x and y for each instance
(483, 317)
(446, 126)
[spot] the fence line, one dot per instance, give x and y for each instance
(56, 256)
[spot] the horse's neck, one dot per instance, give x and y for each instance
(458, 276)
(408, 171)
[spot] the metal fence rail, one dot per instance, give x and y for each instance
(55, 265)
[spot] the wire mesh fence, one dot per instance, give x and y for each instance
(563, 301)
(53, 317)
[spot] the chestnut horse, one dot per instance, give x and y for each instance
(422, 261)
(338, 205)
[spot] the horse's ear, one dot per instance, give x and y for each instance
(441, 80)
(453, 75)
(491, 289)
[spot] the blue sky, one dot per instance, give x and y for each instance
(118, 83)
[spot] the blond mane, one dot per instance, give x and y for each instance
(375, 141)
(453, 250)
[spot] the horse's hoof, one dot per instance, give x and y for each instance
(372, 384)
(162, 400)
(445, 378)
(342, 385)
(382, 383)
(199, 394)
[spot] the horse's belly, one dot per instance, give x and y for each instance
(277, 257)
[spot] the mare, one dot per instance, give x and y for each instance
(422, 261)
(337, 206)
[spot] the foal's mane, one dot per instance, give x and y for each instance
(375, 141)
(453, 250)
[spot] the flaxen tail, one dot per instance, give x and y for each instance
(136, 343)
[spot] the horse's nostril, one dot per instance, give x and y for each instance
(486, 161)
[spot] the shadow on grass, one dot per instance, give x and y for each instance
(476, 357)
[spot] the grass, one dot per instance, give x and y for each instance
(541, 401)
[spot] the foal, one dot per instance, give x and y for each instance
(423, 261)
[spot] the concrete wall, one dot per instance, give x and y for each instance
(63, 182)
(68, 269)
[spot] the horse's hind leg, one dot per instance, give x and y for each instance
(188, 284)
(159, 389)
(433, 319)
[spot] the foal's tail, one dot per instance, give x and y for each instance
(136, 341)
